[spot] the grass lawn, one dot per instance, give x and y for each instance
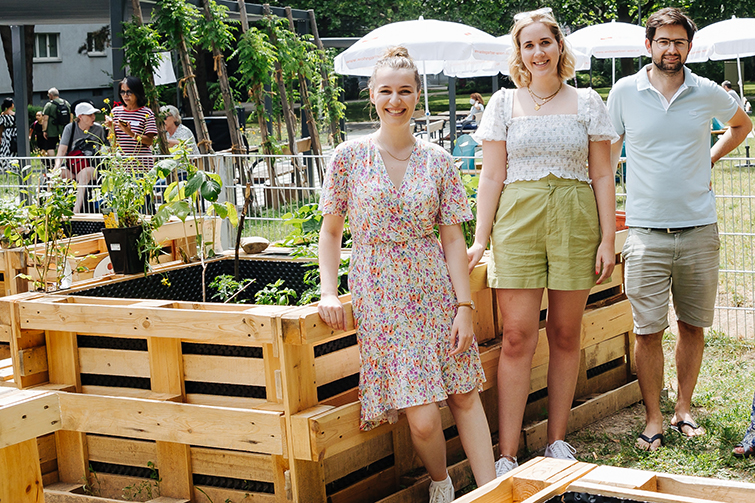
(721, 403)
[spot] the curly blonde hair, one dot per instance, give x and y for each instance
(397, 58)
(566, 63)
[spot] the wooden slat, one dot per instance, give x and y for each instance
(349, 461)
(114, 362)
(605, 351)
(217, 495)
(217, 327)
(633, 494)
(603, 323)
(121, 451)
(238, 429)
(20, 475)
(27, 414)
(336, 365)
(224, 369)
(33, 360)
(46, 448)
(622, 477)
(234, 464)
(731, 491)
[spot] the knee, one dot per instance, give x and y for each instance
(650, 340)
(564, 340)
(463, 402)
(518, 343)
(424, 426)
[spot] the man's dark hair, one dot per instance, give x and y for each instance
(136, 87)
(7, 103)
(669, 16)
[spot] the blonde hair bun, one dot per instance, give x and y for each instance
(397, 51)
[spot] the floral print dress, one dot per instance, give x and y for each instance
(402, 296)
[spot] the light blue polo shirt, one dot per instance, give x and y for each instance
(668, 148)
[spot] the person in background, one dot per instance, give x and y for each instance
(79, 142)
(472, 120)
(37, 134)
(727, 86)
(746, 447)
(411, 300)
(663, 113)
(177, 132)
(9, 138)
(55, 116)
(134, 122)
(546, 202)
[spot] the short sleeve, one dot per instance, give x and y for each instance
(150, 126)
(493, 126)
(454, 207)
(614, 110)
(335, 187)
(600, 127)
(65, 136)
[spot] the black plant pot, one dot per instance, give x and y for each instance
(123, 249)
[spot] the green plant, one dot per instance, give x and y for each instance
(312, 281)
(52, 206)
(470, 186)
(145, 489)
(274, 294)
(228, 288)
(13, 219)
(90, 482)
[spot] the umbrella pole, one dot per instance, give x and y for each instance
(427, 102)
(741, 84)
(613, 71)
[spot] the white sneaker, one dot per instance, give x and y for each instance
(442, 492)
(560, 450)
(504, 465)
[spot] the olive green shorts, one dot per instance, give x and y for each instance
(545, 234)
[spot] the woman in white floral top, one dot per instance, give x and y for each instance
(546, 203)
(411, 300)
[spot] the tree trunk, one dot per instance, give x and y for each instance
(162, 139)
(314, 133)
(287, 115)
(203, 137)
(335, 128)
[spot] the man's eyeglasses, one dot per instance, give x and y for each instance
(680, 44)
(127, 92)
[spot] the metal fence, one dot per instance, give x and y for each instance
(298, 180)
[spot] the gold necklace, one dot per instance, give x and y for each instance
(398, 158)
(543, 100)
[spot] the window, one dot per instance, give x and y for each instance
(96, 44)
(46, 47)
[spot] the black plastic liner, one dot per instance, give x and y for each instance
(81, 227)
(337, 387)
(332, 346)
(225, 389)
(120, 343)
(125, 470)
(361, 474)
(186, 282)
(250, 486)
(605, 367)
(115, 381)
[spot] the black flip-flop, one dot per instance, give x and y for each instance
(678, 427)
(748, 451)
(650, 440)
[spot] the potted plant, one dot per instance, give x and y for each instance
(128, 232)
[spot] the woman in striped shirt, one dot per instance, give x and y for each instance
(135, 127)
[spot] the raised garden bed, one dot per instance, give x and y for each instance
(207, 390)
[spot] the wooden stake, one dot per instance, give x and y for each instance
(335, 128)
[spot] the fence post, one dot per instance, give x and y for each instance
(226, 171)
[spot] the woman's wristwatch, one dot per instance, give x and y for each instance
(469, 304)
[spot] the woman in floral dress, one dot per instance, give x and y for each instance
(412, 306)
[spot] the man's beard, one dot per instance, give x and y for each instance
(669, 67)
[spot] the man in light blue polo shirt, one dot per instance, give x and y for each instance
(664, 113)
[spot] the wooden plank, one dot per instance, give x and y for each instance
(622, 477)
(214, 327)
(586, 413)
(234, 464)
(731, 491)
(122, 487)
(26, 414)
(121, 451)
(559, 483)
(20, 476)
(46, 448)
(304, 326)
(117, 362)
(33, 360)
(368, 452)
(144, 394)
(224, 369)
(336, 365)
(72, 456)
(373, 488)
(606, 351)
(633, 494)
(603, 323)
(534, 478)
(244, 430)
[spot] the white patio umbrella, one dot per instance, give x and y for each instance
(730, 39)
(610, 40)
(435, 45)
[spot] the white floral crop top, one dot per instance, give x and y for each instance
(539, 145)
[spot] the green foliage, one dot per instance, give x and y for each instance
(275, 294)
(255, 55)
(13, 219)
(141, 48)
(125, 190)
(176, 21)
(217, 32)
(91, 483)
(312, 281)
(470, 186)
(227, 288)
(146, 489)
